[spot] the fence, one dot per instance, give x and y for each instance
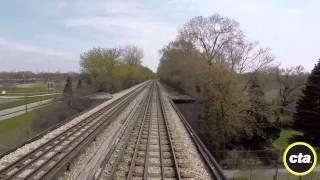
(258, 165)
(12, 112)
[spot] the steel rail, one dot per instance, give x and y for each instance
(172, 151)
(20, 164)
(160, 148)
(145, 116)
(146, 159)
(137, 115)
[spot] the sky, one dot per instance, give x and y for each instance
(50, 35)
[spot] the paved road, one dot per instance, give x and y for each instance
(12, 112)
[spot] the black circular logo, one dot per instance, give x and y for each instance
(300, 158)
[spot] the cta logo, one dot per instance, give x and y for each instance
(300, 158)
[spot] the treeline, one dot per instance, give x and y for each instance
(103, 69)
(28, 76)
(113, 69)
(212, 59)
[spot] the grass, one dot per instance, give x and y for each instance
(24, 101)
(30, 94)
(30, 88)
(16, 130)
(283, 141)
(16, 122)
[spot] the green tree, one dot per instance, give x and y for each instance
(99, 64)
(262, 127)
(307, 116)
(112, 69)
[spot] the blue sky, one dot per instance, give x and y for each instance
(42, 35)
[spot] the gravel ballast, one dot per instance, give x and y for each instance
(182, 141)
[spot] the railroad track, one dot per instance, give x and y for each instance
(150, 152)
(47, 160)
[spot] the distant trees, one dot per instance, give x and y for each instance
(208, 59)
(111, 69)
(27, 76)
(307, 117)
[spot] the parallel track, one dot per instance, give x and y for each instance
(45, 161)
(151, 151)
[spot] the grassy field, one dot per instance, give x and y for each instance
(283, 141)
(30, 88)
(29, 94)
(16, 130)
(25, 101)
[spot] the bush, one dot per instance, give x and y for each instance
(71, 105)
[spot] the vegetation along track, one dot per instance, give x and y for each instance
(47, 160)
(150, 152)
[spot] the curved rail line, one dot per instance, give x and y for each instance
(45, 161)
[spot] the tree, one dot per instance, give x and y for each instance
(68, 87)
(211, 34)
(290, 79)
(132, 55)
(243, 56)
(307, 116)
(99, 64)
(262, 128)
(220, 40)
(112, 69)
(207, 60)
(227, 107)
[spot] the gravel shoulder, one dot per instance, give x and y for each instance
(183, 141)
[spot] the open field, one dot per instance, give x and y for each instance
(27, 89)
(16, 130)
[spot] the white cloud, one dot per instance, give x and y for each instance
(149, 35)
(16, 56)
(289, 27)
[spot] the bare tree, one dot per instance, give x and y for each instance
(211, 34)
(132, 55)
(243, 56)
(290, 79)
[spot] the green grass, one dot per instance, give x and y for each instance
(16, 130)
(31, 89)
(30, 94)
(16, 122)
(25, 101)
(283, 141)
